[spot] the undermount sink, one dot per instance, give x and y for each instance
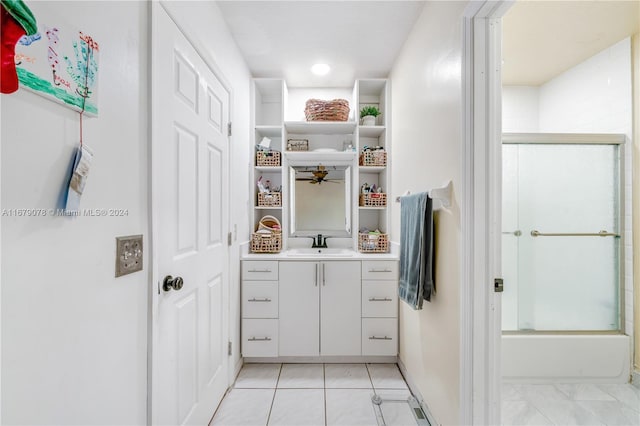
(324, 252)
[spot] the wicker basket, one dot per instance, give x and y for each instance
(298, 145)
(269, 199)
(266, 243)
(319, 110)
(373, 158)
(373, 199)
(268, 158)
(269, 240)
(373, 243)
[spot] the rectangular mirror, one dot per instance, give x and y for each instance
(320, 200)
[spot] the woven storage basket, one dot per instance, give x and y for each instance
(267, 242)
(373, 158)
(319, 110)
(269, 199)
(373, 243)
(268, 158)
(375, 199)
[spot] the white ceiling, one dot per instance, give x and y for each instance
(358, 39)
(361, 39)
(542, 39)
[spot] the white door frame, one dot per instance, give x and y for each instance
(480, 316)
(155, 277)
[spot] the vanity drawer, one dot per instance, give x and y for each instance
(379, 270)
(379, 336)
(266, 270)
(260, 299)
(380, 299)
(259, 337)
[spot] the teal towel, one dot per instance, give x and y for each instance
(416, 249)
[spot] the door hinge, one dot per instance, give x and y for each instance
(498, 285)
(230, 238)
(230, 349)
(229, 129)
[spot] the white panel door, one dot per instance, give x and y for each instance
(299, 301)
(340, 308)
(190, 220)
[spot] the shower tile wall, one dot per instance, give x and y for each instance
(592, 97)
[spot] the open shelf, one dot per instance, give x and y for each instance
(320, 127)
(269, 131)
(372, 169)
(371, 131)
(268, 208)
(267, 169)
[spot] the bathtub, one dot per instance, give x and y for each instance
(566, 358)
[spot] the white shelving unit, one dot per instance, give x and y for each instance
(327, 142)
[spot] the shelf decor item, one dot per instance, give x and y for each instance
(268, 158)
(268, 237)
(373, 242)
(373, 199)
(368, 115)
(377, 158)
(298, 145)
(269, 199)
(319, 110)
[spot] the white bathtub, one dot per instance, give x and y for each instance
(566, 358)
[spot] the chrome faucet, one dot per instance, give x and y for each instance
(319, 242)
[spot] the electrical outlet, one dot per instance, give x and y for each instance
(128, 254)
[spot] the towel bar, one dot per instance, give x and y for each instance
(443, 195)
(536, 233)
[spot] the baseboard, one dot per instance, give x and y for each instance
(416, 393)
(322, 359)
(237, 368)
(635, 379)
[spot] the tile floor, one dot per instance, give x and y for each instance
(570, 404)
(314, 394)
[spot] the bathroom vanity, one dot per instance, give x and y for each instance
(320, 299)
(313, 306)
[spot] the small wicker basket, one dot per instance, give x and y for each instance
(266, 243)
(373, 243)
(373, 199)
(269, 199)
(319, 110)
(298, 145)
(373, 158)
(270, 239)
(268, 158)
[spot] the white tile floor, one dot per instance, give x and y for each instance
(570, 404)
(314, 394)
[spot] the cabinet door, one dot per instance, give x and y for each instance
(299, 299)
(340, 308)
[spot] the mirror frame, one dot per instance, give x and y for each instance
(348, 177)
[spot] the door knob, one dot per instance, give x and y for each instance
(172, 283)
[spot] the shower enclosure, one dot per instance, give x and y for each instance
(561, 239)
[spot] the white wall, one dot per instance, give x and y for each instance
(426, 95)
(74, 337)
(520, 109)
(204, 26)
(595, 96)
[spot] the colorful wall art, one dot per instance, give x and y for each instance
(61, 64)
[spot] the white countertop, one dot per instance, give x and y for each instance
(352, 255)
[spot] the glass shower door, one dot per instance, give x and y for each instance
(560, 227)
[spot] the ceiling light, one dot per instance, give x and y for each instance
(320, 69)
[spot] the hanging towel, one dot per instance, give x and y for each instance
(416, 249)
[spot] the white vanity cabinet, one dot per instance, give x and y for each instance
(320, 308)
(259, 308)
(379, 308)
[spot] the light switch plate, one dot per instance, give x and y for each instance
(128, 254)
